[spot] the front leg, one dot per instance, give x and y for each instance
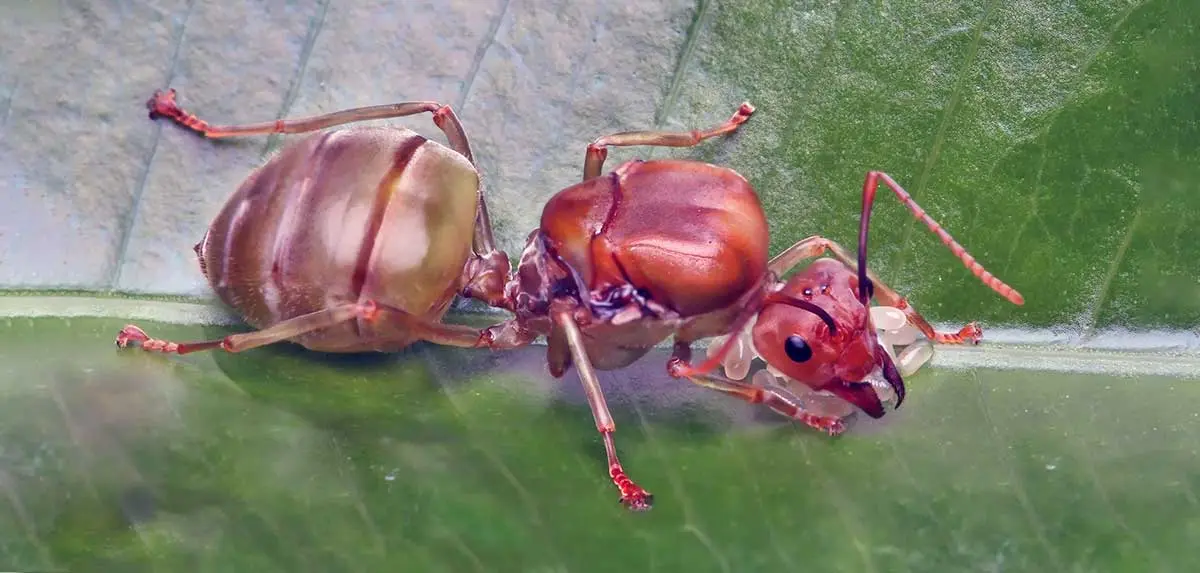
(781, 402)
(817, 245)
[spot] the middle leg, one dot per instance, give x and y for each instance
(597, 151)
(506, 335)
(633, 496)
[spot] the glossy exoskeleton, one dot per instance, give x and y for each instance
(834, 346)
(341, 221)
(620, 262)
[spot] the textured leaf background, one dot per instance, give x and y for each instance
(1058, 141)
(447, 460)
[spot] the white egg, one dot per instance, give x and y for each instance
(764, 378)
(887, 317)
(914, 357)
(737, 362)
(902, 336)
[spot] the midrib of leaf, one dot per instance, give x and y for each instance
(700, 22)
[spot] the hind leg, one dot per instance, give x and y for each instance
(503, 336)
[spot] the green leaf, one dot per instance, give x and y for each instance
(449, 460)
(1059, 143)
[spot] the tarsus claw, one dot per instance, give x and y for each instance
(163, 104)
(972, 332)
(130, 334)
(637, 501)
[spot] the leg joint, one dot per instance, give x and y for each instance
(441, 114)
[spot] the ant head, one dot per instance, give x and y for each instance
(817, 331)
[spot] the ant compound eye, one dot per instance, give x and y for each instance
(797, 349)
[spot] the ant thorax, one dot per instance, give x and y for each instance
(903, 342)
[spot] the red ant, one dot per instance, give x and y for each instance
(357, 240)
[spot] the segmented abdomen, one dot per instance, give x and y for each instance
(342, 216)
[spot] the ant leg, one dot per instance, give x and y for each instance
(633, 496)
(778, 400)
(597, 151)
(164, 104)
(791, 257)
(504, 336)
(279, 332)
(488, 261)
(683, 367)
(817, 245)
